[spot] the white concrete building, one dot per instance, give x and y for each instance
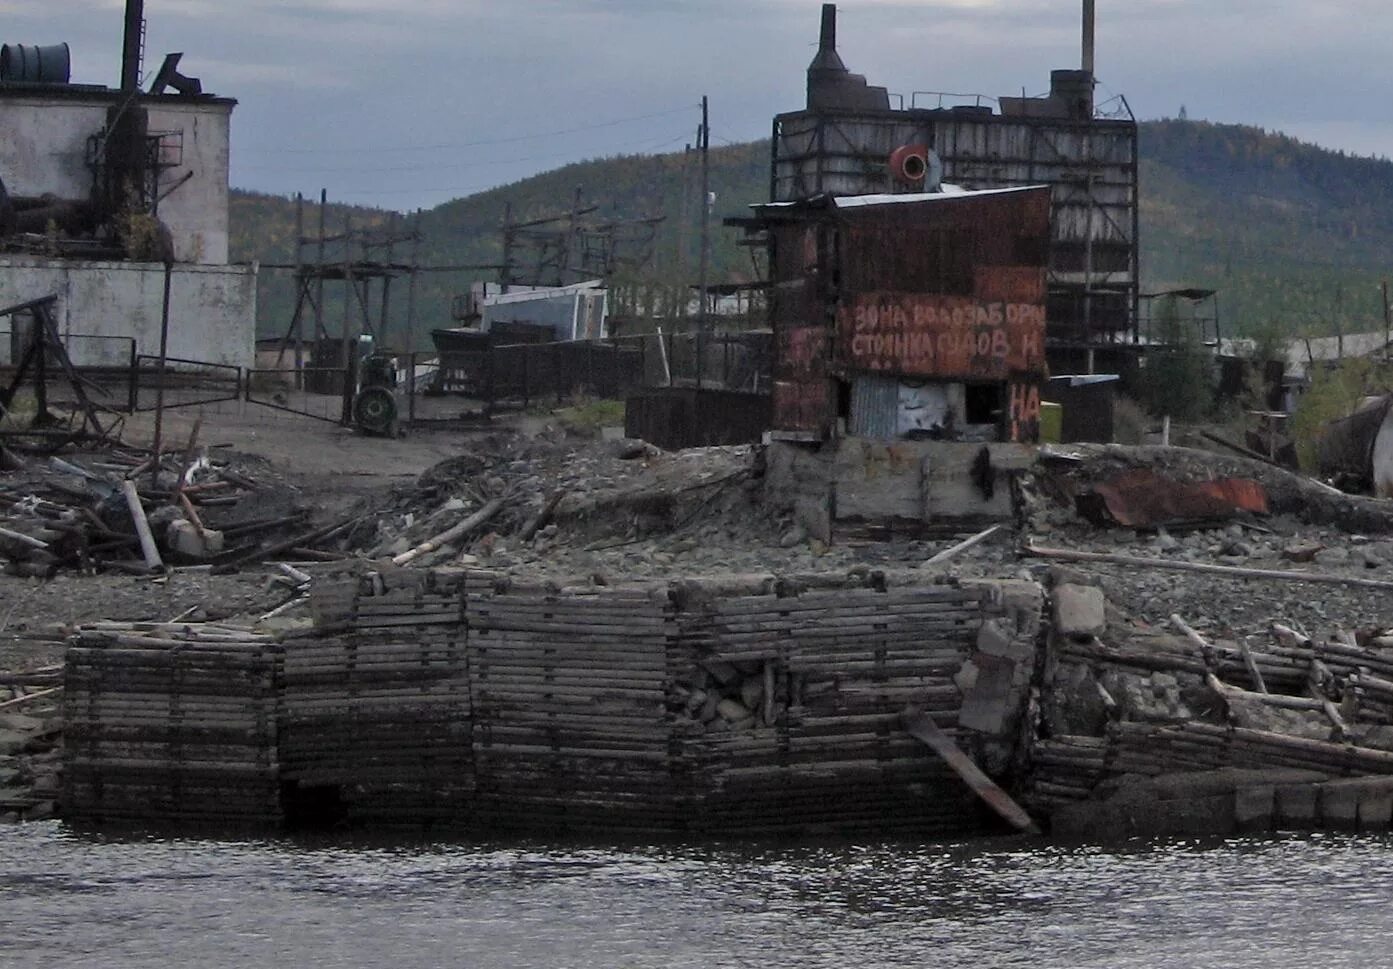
(53, 147)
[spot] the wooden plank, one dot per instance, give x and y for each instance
(922, 727)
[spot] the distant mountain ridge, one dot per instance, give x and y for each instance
(1294, 237)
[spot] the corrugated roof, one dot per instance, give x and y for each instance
(949, 193)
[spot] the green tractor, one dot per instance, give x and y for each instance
(375, 403)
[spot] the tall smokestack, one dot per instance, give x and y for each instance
(1088, 35)
(130, 47)
(827, 58)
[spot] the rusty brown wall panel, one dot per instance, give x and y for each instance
(802, 352)
(1009, 284)
(941, 246)
(802, 406)
(951, 337)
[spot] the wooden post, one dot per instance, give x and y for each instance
(922, 728)
(164, 351)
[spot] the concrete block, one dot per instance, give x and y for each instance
(1372, 799)
(1139, 814)
(1079, 610)
(184, 538)
(1339, 807)
(1253, 808)
(989, 706)
(993, 640)
(1375, 810)
(1296, 807)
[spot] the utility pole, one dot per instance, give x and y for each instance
(684, 228)
(704, 143)
(506, 275)
(1387, 321)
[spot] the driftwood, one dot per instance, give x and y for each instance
(469, 524)
(22, 539)
(954, 551)
(543, 517)
(20, 701)
(1196, 640)
(922, 728)
(142, 526)
(1174, 565)
(280, 548)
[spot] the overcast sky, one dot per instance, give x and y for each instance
(407, 103)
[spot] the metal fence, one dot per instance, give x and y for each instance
(522, 375)
(181, 383)
(104, 365)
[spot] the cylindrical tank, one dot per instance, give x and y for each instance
(1075, 89)
(34, 64)
(1359, 448)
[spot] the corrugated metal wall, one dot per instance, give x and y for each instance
(1090, 166)
(875, 407)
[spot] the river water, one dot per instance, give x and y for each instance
(70, 900)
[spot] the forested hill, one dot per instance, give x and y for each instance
(1293, 236)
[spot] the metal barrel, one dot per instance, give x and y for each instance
(34, 64)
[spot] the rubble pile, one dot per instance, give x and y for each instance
(1238, 570)
(1124, 697)
(120, 510)
(522, 505)
(31, 730)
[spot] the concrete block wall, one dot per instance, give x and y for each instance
(212, 308)
(859, 481)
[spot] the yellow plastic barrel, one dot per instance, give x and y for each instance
(1051, 422)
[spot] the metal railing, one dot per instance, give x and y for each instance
(181, 383)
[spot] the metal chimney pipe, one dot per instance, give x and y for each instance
(827, 40)
(1088, 20)
(130, 47)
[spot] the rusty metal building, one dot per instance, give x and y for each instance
(909, 316)
(852, 139)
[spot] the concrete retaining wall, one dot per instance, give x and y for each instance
(212, 308)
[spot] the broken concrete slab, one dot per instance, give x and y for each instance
(1079, 610)
(189, 541)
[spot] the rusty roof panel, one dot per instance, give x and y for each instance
(950, 337)
(1144, 499)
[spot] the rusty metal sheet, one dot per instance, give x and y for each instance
(802, 352)
(1009, 284)
(802, 406)
(1144, 499)
(929, 335)
(944, 246)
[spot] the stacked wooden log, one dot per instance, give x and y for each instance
(1066, 769)
(375, 708)
(465, 697)
(1168, 748)
(171, 722)
(569, 692)
(822, 679)
(1293, 702)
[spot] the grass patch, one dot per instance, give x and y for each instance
(21, 411)
(587, 416)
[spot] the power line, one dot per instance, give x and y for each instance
(476, 144)
(432, 167)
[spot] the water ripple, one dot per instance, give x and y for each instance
(78, 900)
